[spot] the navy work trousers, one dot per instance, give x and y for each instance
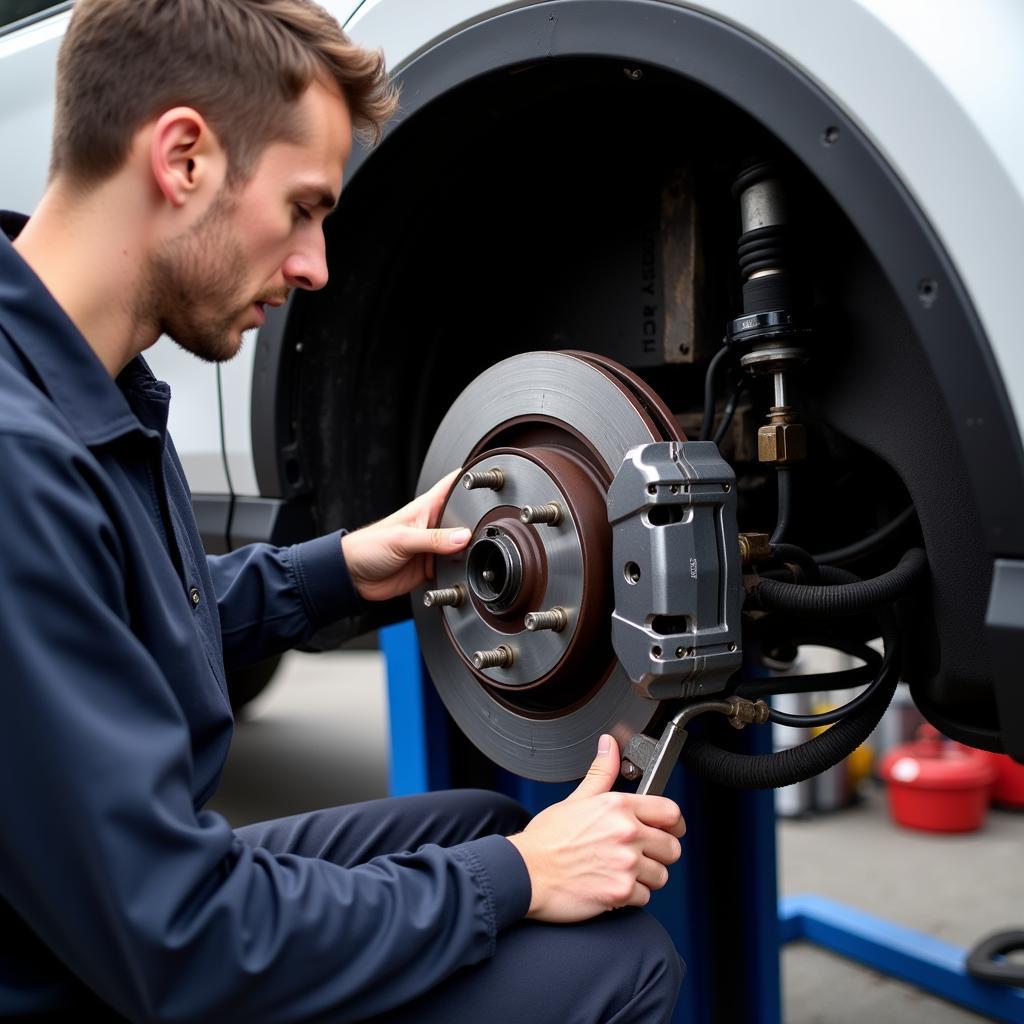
(617, 968)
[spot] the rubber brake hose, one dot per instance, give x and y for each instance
(791, 553)
(841, 598)
(797, 764)
(827, 749)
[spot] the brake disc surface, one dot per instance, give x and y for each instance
(548, 430)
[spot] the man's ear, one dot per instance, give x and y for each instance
(185, 156)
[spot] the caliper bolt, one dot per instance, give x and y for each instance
(450, 597)
(629, 771)
(555, 619)
(551, 513)
(500, 657)
(493, 479)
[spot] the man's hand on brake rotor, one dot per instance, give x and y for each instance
(395, 555)
(598, 850)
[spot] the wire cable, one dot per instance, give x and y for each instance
(867, 544)
(708, 422)
(810, 682)
(729, 412)
(785, 488)
(836, 714)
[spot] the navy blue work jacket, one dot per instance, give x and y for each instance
(115, 628)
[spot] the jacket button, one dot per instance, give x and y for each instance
(193, 596)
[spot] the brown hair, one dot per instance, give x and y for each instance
(239, 63)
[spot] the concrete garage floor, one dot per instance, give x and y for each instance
(318, 736)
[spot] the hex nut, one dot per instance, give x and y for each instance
(781, 442)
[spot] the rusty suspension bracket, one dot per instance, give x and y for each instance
(656, 758)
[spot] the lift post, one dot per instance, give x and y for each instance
(720, 904)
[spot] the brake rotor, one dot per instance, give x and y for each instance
(517, 638)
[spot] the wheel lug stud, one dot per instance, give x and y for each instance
(551, 513)
(555, 619)
(451, 597)
(493, 479)
(500, 657)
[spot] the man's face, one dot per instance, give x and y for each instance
(256, 241)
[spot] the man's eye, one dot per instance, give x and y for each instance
(303, 212)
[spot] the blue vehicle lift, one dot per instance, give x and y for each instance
(721, 903)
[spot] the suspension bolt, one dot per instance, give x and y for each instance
(493, 479)
(448, 597)
(500, 657)
(555, 619)
(551, 513)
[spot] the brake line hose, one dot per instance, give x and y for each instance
(840, 598)
(843, 593)
(797, 764)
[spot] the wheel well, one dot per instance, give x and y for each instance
(517, 211)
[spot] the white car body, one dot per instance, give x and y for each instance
(936, 87)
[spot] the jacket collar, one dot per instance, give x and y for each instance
(99, 409)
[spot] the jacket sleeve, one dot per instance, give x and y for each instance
(158, 908)
(272, 598)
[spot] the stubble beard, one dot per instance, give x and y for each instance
(194, 286)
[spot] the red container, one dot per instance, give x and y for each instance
(938, 785)
(1008, 790)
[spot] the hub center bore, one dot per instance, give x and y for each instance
(494, 569)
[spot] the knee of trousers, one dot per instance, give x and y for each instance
(653, 960)
(492, 812)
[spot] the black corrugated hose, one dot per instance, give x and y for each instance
(791, 553)
(840, 598)
(845, 594)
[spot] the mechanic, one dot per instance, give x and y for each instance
(198, 147)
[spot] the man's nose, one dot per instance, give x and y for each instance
(307, 268)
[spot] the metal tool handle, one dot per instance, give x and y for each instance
(657, 758)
